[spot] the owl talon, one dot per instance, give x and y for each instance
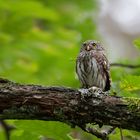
(95, 90)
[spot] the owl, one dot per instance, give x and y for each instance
(92, 66)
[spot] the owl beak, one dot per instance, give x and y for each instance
(88, 48)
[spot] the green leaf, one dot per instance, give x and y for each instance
(137, 43)
(130, 83)
(32, 9)
(33, 130)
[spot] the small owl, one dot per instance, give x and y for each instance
(92, 66)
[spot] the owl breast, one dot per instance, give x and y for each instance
(89, 71)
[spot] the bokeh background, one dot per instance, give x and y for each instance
(39, 42)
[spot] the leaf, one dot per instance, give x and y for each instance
(137, 43)
(32, 9)
(33, 130)
(130, 83)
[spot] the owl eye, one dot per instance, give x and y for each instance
(84, 44)
(93, 44)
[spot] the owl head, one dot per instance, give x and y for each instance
(91, 45)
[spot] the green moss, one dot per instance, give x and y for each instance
(133, 103)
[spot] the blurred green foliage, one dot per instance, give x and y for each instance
(40, 39)
(39, 42)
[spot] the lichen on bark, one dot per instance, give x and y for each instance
(132, 103)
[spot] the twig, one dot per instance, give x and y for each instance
(124, 65)
(119, 65)
(7, 128)
(109, 131)
(103, 135)
(121, 133)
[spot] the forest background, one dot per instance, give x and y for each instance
(39, 43)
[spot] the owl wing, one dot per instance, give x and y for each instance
(81, 69)
(104, 68)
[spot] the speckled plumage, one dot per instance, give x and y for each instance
(92, 66)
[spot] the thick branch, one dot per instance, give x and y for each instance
(71, 106)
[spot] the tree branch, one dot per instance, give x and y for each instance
(71, 106)
(124, 65)
(103, 135)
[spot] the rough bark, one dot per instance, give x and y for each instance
(71, 106)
